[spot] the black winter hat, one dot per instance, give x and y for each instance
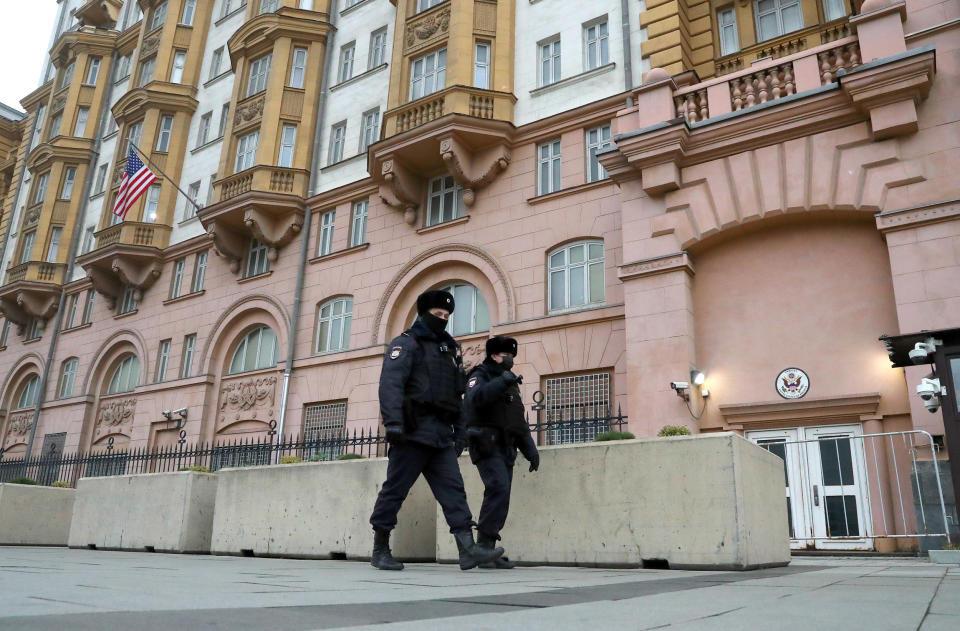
(501, 344)
(434, 299)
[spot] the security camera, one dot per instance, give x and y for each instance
(929, 391)
(921, 351)
(168, 414)
(679, 385)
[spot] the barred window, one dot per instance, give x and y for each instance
(580, 404)
(323, 429)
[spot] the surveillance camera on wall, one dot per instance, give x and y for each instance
(922, 352)
(679, 385)
(929, 391)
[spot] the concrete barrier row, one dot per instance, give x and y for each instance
(711, 501)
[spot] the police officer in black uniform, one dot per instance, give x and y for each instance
(421, 392)
(496, 428)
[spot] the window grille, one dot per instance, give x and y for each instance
(577, 398)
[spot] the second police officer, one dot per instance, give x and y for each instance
(421, 392)
(496, 428)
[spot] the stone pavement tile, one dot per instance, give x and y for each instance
(947, 600)
(937, 622)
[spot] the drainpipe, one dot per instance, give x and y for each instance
(627, 52)
(71, 256)
(305, 235)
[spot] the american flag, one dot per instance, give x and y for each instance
(136, 179)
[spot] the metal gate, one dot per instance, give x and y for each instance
(845, 490)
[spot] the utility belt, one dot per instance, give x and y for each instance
(412, 410)
(485, 441)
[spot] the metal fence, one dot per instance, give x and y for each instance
(266, 449)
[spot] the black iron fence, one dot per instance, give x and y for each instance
(65, 468)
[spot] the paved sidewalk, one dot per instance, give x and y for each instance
(79, 590)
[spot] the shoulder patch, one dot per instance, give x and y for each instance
(472, 382)
(395, 352)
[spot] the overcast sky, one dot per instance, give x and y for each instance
(25, 28)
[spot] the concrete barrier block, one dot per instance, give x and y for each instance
(712, 501)
(164, 512)
(35, 515)
(316, 510)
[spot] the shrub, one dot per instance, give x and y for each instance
(61, 485)
(197, 468)
(317, 459)
(674, 430)
(22, 480)
(613, 435)
(290, 459)
(349, 457)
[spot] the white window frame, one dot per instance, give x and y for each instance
(298, 67)
(338, 138)
(126, 376)
(288, 141)
(134, 132)
(55, 124)
(548, 61)
(246, 151)
(259, 74)
(53, 248)
(165, 133)
(93, 71)
(128, 302)
(40, 188)
(215, 62)
(549, 167)
(334, 319)
(189, 10)
(444, 200)
(163, 358)
(69, 178)
(563, 271)
(29, 239)
(481, 67)
(151, 207)
(257, 261)
(101, 183)
(176, 281)
(123, 69)
(325, 240)
(835, 9)
(88, 307)
(345, 67)
(193, 193)
(378, 48)
(199, 272)
(33, 330)
(29, 394)
(224, 117)
(259, 336)
(428, 74)
(179, 62)
(89, 240)
(727, 30)
(189, 346)
(38, 126)
(423, 5)
(596, 43)
(370, 129)
(146, 71)
(467, 309)
(779, 6)
(358, 230)
(67, 76)
(596, 140)
(269, 6)
(72, 311)
(159, 15)
(68, 376)
(203, 130)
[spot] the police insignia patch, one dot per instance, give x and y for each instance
(395, 352)
(472, 382)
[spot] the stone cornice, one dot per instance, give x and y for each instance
(844, 408)
(916, 216)
(155, 95)
(39, 96)
(87, 39)
(346, 193)
(258, 34)
(127, 41)
(656, 265)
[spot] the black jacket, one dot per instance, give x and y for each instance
(495, 410)
(421, 386)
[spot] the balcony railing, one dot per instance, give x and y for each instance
(789, 44)
(456, 99)
(135, 233)
(264, 178)
(37, 271)
(767, 81)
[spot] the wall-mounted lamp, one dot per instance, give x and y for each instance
(698, 378)
(682, 388)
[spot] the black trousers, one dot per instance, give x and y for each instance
(497, 478)
(439, 466)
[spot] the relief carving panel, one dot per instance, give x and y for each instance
(115, 416)
(18, 429)
(251, 399)
(427, 29)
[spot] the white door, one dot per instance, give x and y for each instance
(827, 501)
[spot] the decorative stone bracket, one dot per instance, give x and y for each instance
(129, 266)
(400, 189)
(23, 301)
(473, 171)
(270, 218)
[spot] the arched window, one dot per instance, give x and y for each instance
(333, 325)
(470, 313)
(68, 375)
(29, 393)
(126, 376)
(257, 349)
(576, 275)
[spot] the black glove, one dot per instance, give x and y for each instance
(460, 445)
(534, 461)
(509, 378)
(395, 434)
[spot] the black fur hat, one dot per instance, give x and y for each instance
(434, 299)
(501, 344)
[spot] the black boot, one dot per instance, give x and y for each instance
(472, 555)
(382, 559)
(503, 563)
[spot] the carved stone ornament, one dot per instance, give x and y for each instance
(399, 189)
(248, 112)
(113, 416)
(20, 424)
(427, 28)
(150, 45)
(473, 170)
(474, 354)
(31, 217)
(247, 399)
(59, 102)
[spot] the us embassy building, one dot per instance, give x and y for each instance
(752, 189)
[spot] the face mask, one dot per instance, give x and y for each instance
(435, 324)
(507, 362)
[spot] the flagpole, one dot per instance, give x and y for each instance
(165, 176)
